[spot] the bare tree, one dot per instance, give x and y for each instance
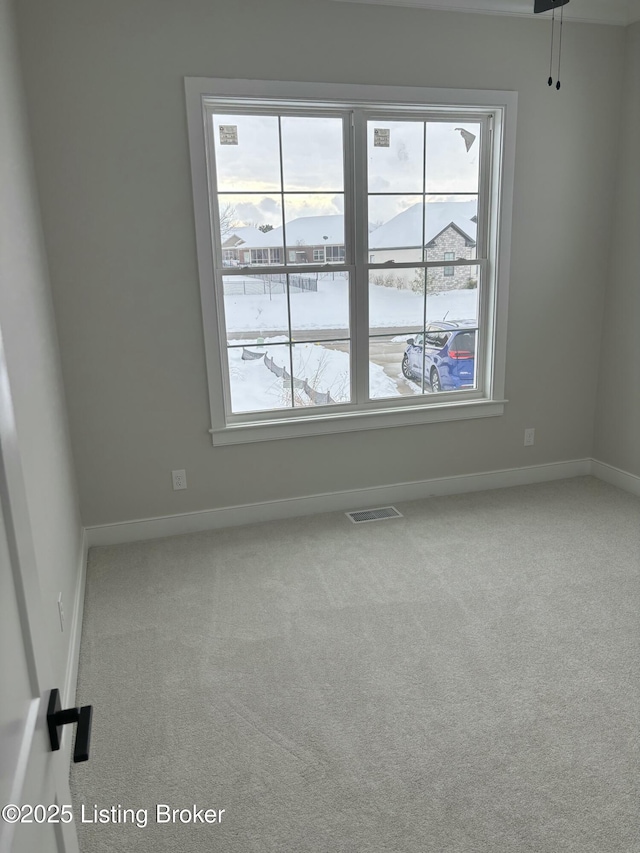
(228, 220)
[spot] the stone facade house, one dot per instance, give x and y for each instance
(450, 230)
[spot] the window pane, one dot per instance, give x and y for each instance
(255, 307)
(321, 373)
(389, 374)
(449, 271)
(335, 254)
(395, 224)
(396, 156)
(257, 377)
(414, 357)
(314, 222)
(396, 300)
(451, 228)
(453, 297)
(260, 376)
(451, 333)
(252, 163)
(319, 305)
(453, 157)
(453, 303)
(312, 153)
(247, 223)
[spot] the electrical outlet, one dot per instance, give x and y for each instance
(179, 479)
(529, 437)
(61, 612)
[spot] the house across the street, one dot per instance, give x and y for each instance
(310, 240)
(449, 235)
(450, 230)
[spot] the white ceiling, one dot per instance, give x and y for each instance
(620, 12)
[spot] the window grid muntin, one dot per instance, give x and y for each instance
(356, 226)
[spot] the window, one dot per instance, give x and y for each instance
(259, 256)
(374, 176)
(448, 256)
(335, 254)
(436, 338)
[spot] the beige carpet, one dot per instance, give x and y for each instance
(461, 680)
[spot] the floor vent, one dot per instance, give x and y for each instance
(359, 516)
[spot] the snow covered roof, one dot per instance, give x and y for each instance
(310, 231)
(404, 229)
(246, 235)
(401, 231)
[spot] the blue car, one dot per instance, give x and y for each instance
(448, 353)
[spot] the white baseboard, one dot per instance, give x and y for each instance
(193, 522)
(75, 634)
(617, 477)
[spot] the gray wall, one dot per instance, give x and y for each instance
(27, 324)
(105, 87)
(617, 439)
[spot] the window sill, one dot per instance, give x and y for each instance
(352, 422)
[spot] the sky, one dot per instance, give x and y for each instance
(312, 165)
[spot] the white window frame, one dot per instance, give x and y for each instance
(319, 255)
(500, 107)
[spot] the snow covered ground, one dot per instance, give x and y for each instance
(326, 368)
(255, 388)
(329, 308)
